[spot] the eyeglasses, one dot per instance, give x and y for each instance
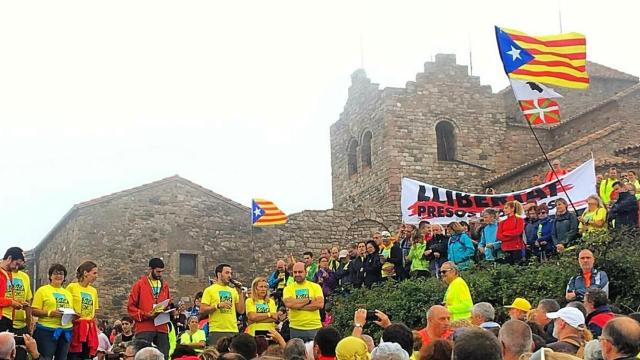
(442, 272)
(542, 212)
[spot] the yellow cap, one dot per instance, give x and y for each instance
(520, 304)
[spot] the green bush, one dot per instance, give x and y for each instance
(407, 301)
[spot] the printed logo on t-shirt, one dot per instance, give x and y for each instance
(61, 300)
(225, 296)
(86, 308)
(262, 308)
(302, 293)
(18, 289)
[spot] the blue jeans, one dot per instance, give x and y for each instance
(48, 347)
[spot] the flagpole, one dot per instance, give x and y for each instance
(544, 153)
(253, 245)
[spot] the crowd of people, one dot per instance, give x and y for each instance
(288, 314)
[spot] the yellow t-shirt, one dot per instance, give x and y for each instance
(261, 308)
(303, 319)
(222, 320)
(19, 290)
(85, 300)
(599, 214)
(198, 336)
(49, 298)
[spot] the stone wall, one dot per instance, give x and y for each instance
(122, 232)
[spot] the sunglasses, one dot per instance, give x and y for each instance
(442, 272)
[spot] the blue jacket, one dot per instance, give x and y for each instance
(544, 233)
(531, 231)
(599, 279)
(488, 236)
(565, 228)
(461, 250)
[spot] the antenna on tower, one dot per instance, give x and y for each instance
(470, 56)
(560, 14)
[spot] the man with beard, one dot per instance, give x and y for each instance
(143, 306)
(12, 261)
(222, 301)
(304, 300)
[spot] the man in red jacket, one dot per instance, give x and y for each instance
(13, 259)
(143, 306)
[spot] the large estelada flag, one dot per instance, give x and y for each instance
(552, 59)
(265, 212)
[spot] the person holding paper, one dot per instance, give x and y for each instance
(149, 298)
(84, 343)
(221, 302)
(52, 304)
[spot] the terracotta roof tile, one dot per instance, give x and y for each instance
(601, 71)
(553, 154)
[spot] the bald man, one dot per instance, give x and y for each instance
(438, 325)
(278, 280)
(304, 300)
(516, 339)
(587, 278)
(8, 346)
(620, 339)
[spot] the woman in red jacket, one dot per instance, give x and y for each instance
(510, 232)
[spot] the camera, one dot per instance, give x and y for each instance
(371, 315)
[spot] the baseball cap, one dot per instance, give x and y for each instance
(385, 234)
(343, 254)
(520, 304)
(570, 315)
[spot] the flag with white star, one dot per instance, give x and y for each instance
(265, 212)
(559, 60)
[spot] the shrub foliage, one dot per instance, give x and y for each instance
(616, 252)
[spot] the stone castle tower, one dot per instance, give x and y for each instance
(447, 129)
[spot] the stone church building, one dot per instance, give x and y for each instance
(444, 128)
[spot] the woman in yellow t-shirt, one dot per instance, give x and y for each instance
(193, 337)
(52, 336)
(594, 217)
(261, 309)
(85, 304)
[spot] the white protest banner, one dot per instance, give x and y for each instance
(422, 201)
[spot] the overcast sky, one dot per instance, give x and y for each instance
(237, 96)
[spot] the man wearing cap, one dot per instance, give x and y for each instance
(588, 277)
(342, 271)
(519, 309)
(144, 305)
(568, 329)
(457, 299)
(391, 258)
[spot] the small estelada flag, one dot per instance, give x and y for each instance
(265, 212)
(541, 111)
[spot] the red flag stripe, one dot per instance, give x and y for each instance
(557, 63)
(282, 218)
(555, 74)
(550, 43)
(574, 56)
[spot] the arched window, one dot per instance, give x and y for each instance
(352, 157)
(366, 149)
(446, 140)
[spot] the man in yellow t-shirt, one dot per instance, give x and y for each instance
(222, 302)
(304, 300)
(18, 289)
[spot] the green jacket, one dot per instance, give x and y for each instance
(458, 300)
(418, 262)
(606, 188)
(311, 271)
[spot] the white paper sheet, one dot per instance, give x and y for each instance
(162, 318)
(67, 315)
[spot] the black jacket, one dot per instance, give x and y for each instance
(440, 244)
(372, 269)
(356, 271)
(625, 210)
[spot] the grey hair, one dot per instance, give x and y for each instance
(294, 347)
(149, 353)
(452, 265)
(516, 336)
(7, 346)
(593, 351)
(549, 305)
(485, 310)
